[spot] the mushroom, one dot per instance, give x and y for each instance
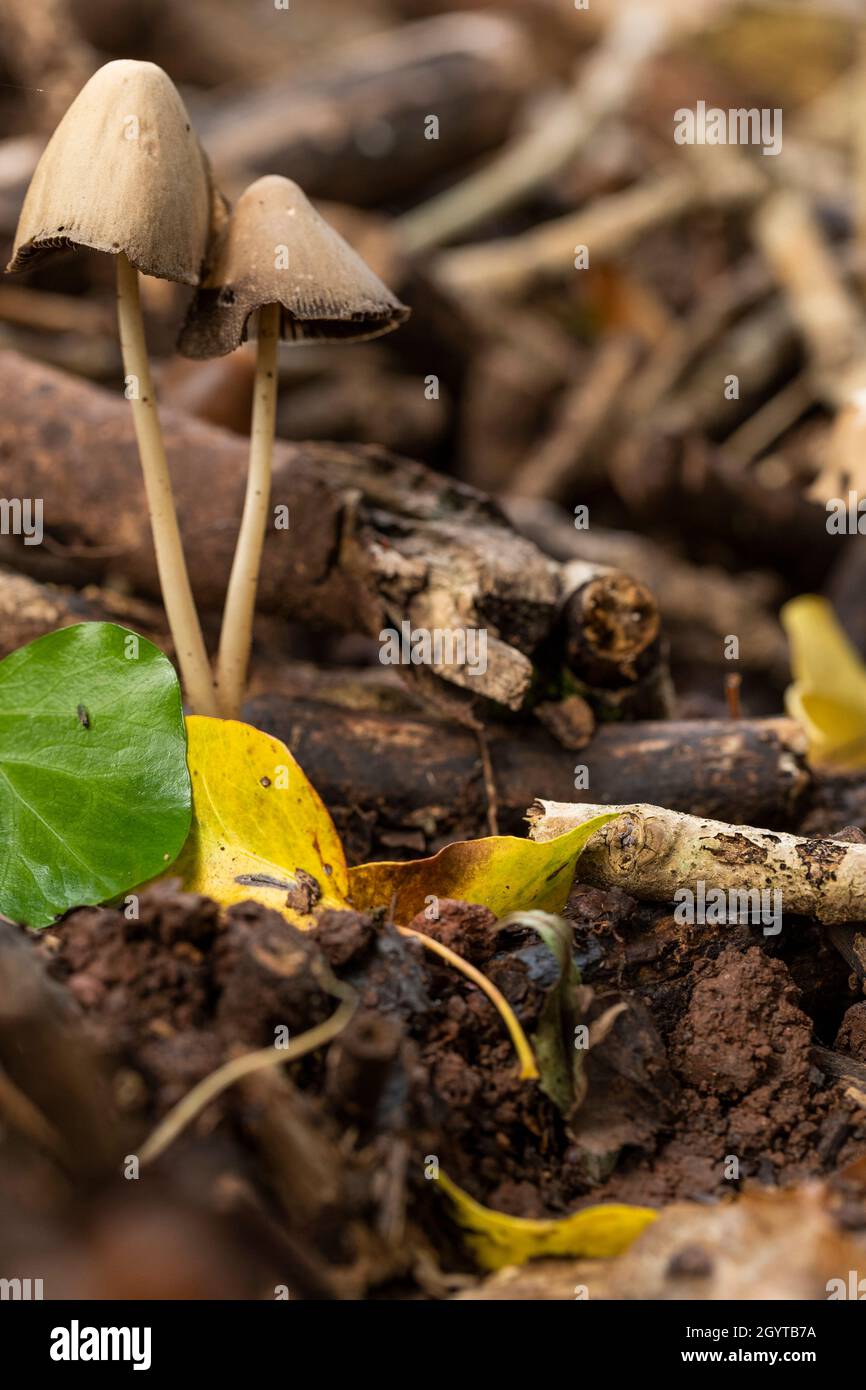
(124, 173)
(279, 260)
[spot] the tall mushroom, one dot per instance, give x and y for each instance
(279, 260)
(124, 173)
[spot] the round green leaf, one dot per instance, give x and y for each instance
(94, 788)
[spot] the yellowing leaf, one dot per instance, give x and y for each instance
(497, 1240)
(259, 829)
(828, 694)
(503, 873)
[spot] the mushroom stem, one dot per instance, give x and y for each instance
(237, 628)
(173, 577)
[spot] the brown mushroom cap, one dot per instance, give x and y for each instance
(277, 249)
(123, 171)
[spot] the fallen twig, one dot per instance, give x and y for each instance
(602, 86)
(234, 1070)
(834, 330)
(386, 542)
(651, 852)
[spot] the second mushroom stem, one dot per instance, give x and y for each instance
(237, 627)
(177, 596)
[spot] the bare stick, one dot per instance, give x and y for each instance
(236, 637)
(230, 1072)
(857, 99)
(602, 87)
(608, 226)
(490, 795)
(651, 852)
(174, 580)
(804, 265)
(510, 265)
(771, 420)
(19, 1112)
(586, 408)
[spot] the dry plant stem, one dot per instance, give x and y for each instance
(19, 1112)
(207, 1090)
(174, 580)
(857, 96)
(805, 267)
(236, 636)
(770, 421)
(733, 683)
(490, 795)
(651, 852)
(586, 408)
(602, 87)
(528, 1066)
(609, 226)
(728, 295)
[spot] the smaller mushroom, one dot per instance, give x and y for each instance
(280, 261)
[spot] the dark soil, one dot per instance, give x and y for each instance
(314, 1176)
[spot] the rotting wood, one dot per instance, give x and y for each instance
(357, 759)
(386, 542)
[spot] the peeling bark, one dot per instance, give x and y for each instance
(373, 541)
(651, 852)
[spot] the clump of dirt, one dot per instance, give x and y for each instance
(752, 1103)
(743, 1034)
(743, 1053)
(711, 1060)
(737, 1014)
(851, 1037)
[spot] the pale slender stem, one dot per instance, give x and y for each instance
(528, 1064)
(176, 592)
(207, 1090)
(236, 637)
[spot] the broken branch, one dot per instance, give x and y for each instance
(651, 852)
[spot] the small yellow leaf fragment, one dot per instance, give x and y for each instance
(260, 830)
(503, 872)
(828, 694)
(497, 1240)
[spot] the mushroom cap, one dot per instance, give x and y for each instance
(123, 171)
(276, 249)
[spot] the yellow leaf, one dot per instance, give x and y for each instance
(503, 873)
(258, 825)
(497, 1240)
(828, 694)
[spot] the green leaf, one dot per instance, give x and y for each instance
(94, 788)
